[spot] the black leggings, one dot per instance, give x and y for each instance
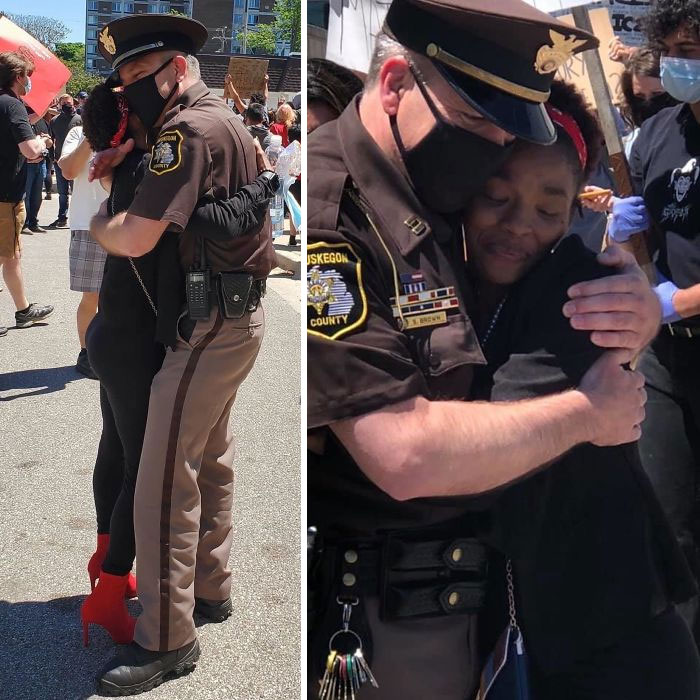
(125, 365)
(658, 662)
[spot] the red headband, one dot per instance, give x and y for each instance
(123, 121)
(568, 123)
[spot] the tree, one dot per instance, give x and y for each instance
(73, 55)
(288, 22)
(260, 39)
(47, 30)
(177, 13)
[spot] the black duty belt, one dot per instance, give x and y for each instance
(681, 331)
(413, 577)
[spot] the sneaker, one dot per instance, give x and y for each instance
(83, 365)
(3, 331)
(32, 314)
(59, 223)
(36, 229)
(137, 670)
(214, 610)
(48, 195)
(26, 231)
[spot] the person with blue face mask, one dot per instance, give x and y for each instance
(665, 167)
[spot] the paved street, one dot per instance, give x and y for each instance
(49, 429)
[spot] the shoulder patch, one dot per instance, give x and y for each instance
(336, 302)
(166, 155)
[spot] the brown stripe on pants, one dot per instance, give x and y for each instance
(184, 490)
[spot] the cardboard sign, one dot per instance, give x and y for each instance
(248, 76)
(352, 28)
(575, 70)
(50, 75)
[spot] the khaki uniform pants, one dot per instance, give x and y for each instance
(12, 217)
(184, 489)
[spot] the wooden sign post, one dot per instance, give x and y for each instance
(247, 76)
(637, 244)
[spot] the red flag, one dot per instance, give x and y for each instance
(50, 75)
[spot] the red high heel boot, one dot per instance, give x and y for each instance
(105, 606)
(95, 565)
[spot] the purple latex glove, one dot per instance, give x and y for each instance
(629, 216)
(665, 290)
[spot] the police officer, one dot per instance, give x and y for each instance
(391, 346)
(185, 483)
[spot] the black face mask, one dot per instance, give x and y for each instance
(66, 108)
(145, 99)
(450, 164)
(642, 109)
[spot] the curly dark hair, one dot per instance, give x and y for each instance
(566, 98)
(331, 83)
(666, 16)
(100, 116)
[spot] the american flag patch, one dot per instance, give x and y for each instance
(412, 282)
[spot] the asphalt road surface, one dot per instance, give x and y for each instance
(49, 429)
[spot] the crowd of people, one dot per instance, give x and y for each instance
(492, 485)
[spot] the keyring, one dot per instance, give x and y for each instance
(354, 634)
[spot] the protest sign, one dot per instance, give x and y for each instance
(248, 76)
(50, 75)
(626, 16)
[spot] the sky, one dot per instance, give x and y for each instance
(70, 12)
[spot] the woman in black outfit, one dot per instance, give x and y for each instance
(139, 304)
(596, 567)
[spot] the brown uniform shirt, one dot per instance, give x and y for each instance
(203, 148)
(370, 240)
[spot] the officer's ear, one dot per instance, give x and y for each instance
(180, 63)
(395, 78)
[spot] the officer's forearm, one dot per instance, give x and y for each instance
(687, 301)
(422, 448)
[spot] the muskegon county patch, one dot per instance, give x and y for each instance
(336, 303)
(167, 153)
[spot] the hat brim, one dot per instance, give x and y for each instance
(522, 118)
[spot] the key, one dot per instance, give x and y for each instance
(326, 680)
(365, 665)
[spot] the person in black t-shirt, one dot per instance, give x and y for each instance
(18, 143)
(665, 168)
(36, 174)
(60, 126)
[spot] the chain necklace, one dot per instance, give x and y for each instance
(492, 323)
(131, 260)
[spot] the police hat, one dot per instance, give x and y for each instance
(131, 37)
(500, 57)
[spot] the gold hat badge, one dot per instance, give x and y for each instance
(108, 42)
(551, 58)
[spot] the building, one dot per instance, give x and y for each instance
(99, 12)
(224, 19)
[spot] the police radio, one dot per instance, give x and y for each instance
(197, 286)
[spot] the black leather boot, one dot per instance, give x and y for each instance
(214, 610)
(135, 670)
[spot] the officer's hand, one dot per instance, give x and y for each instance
(261, 159)
(105, 161)
(622, 311)
(617, 397)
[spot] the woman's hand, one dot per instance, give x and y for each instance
(263, 162)
(105, 161)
